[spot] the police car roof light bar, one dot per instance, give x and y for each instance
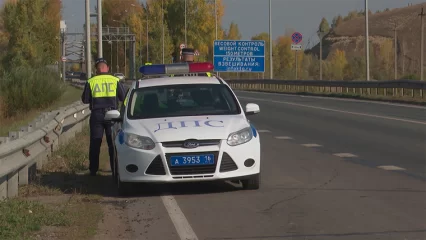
(176, 68)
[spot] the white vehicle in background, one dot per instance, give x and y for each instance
(184, 129)
(120, 76)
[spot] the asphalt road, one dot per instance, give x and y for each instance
(307, 192)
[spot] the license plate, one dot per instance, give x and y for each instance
(192, 160)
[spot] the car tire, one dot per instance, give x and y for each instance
(253, 183)
(122, 187)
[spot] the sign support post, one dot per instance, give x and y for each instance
(296, 46)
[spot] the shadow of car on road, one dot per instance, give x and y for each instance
(104, 185)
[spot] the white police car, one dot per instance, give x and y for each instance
(184, 128)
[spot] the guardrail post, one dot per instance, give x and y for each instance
(3, 187)
(12, 184)
(23, 176)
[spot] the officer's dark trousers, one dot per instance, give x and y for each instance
(97, 128)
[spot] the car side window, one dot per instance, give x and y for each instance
(123, 107)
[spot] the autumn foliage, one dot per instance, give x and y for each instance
(147, 22)
(30, 42)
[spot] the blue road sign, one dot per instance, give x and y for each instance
(239, 56)
(296, 37)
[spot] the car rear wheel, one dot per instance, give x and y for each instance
(253, 183)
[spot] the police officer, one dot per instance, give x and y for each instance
(102, 92)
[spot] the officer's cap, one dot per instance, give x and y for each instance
(188, 51)
(100, 60)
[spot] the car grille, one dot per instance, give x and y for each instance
(227, 163)
(203, 143)
(192, 170)
(156, 167)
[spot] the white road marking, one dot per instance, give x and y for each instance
(340, 111)
(345, 155)
(340, 99)
(311, 145)
(182, 225)
(263, 131)
(284, 137)
(392, 168)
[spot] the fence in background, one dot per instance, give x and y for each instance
(25, 151)
(388, 89)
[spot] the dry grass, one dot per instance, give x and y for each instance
(62, 189)
(71, 95)
(349, 36)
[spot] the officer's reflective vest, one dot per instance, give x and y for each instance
(103, 89)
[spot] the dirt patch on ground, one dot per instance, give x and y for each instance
(64, 202)
(115, 223)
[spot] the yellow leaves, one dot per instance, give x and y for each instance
(338, 63)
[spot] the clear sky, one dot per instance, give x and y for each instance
(252, 16)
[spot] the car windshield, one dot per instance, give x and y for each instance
(182, 100)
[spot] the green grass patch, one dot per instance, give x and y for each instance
(63, 186)
(69, 95)
(19, 217)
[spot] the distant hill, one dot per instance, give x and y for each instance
(350, 37)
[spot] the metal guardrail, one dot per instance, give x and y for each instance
(23, 152)
(396, 89)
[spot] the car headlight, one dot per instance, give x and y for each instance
(240, 137)
(136, 141)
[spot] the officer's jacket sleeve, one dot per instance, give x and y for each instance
(121, 93)
(86, 97)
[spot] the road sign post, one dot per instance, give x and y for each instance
(239, 56)
(296, 38)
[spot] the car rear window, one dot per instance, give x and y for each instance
(182, 100)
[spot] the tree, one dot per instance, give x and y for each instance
(284, 59)
(155, 16)
(324, 26)
(75, 67)
(265, 37)
(337, 21)
(233, 32)
(200, 24)
(338, 62)
(32, 27)
(123, 13)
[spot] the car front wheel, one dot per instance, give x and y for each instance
(124, 188)
(253, 183)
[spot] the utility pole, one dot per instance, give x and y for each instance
(271, 69)
(63, 28)
(367, 44)
(100, 48)
(162, 15)
(147, 34)
(215, 19)
(64, 53)
(422, 14)
(88, 47)
(403, 56)
(395, 50)
(320, 35)
(186, 43)
(295, 52)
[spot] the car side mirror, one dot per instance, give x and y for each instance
(113, 115)
(252, 108)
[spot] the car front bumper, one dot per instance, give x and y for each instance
(231, 162)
